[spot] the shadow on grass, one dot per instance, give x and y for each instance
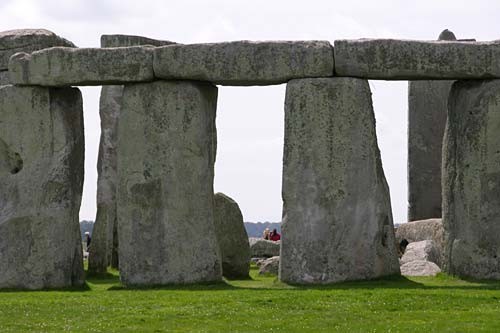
(102, 278)
(84, 287)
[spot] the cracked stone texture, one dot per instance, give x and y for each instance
(165, 198)
(64, 66)
(471, 180)
(427, 109)
(4, 78)
(391, 59)
(27, 40)
(337, 222)
(263, 248)
(416, 231)
(41, 179)
(420, 268)
(245, 63)
(232, 237)
(104, 249)
(422, 250)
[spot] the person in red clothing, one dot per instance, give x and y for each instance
(274, 236)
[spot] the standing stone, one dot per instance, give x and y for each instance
(471, 180)
(104, 249)
(41, 179)
(4, 78)
(427, 109)
(337, 222)
(232, 237)
(165, 200)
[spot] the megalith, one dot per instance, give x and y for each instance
(337, 221)
(165, 198)
(232, 237)
(104, 249)
(41, 179)
(25, 40)
(427, 110)
(471, 180)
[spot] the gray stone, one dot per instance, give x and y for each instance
(270, 266)
(390, 59)
(422, 250)
(64, 66)
(41, 179)
(165, 198)
(130, 40)
(245, 63)
(427, 109)
(262, 248)
(100, 256)
(416, 231)
(104, 250)
(420, 268)
(4, 78)
(471, 180)
(27, 40)
(337, 222)
(231, 237)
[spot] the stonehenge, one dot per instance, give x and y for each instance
(41, 179)
(471, 180)
(427, 110)
(156, 204)
(337, 220)
(165, 204)
(231, 237)
(104, 249)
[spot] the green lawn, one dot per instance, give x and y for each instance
(441, 304)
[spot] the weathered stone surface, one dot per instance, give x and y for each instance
(261, 248)
(390, 59)
(130, 40)
(337, 222)
(27, 40)
(427, 109)
(100, 256)
(471, 180)
(165, 205)
(420, 268)
(245, 63)
(64, 66)
(422, 250)
(270, 266)
(41, 179)
(104, 251)
(231, 237)
(415, 231)
(4, 78)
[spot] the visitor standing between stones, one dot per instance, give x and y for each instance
(88, 239)
(265, 234)
(274, 236)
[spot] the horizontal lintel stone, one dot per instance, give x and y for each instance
(131, 40)
(245, 63)
(63, 66)
(390, 59)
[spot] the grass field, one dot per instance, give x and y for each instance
(261, 304)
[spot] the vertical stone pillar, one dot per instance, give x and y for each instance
(337, 220)
(427, 109)
(41, 179)
(165, 194)
(471, 180)
(104, 249)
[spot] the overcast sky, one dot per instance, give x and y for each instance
(250, 120)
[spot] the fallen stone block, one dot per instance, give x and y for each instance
(416, 231)
(471, 180)
(422, 250)
(270, 266)
(263, 248)
(420, 268)
(41, 180)
(64, 66)
(337, 220)
(165, 196)
(27, 40)
(245, 63)
(390, 59)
